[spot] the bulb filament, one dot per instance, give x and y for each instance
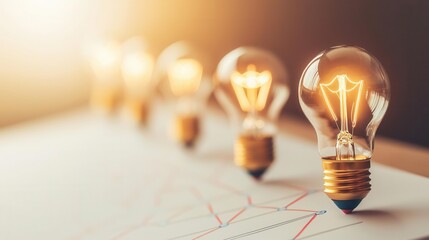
(252, 89)
(344, 88)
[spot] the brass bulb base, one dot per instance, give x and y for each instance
(139, 110)
(346, 182)
(255, 153)
(107, 100)
(187, 129)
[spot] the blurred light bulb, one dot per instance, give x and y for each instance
(186, 83)
(184, 76)
(137, 68)
(252, 88)
(105, 56)
(344, 92)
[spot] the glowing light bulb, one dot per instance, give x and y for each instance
(186, 83)
(106, 87)
(344, 92)
(184, 76)
(137, 68)
(251, 86)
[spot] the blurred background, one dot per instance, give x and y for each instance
(43, 67)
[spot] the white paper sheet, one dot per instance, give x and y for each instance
(85, 176)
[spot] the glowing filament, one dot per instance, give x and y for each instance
(185, 76)
(343, 92)
(251, 88)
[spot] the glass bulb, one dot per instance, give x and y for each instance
(252, 87)
(344, 92)
(137, 67)
(184, 77)
(184, 73)
(105, 57)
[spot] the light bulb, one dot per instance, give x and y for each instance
(252, 87)
(105, 57)
(184, 73)
(137, 68)
(344, 92)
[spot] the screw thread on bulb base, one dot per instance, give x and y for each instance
(255, 153)
(106, 100)
(346, 182)
(186, 130)
(139, 110)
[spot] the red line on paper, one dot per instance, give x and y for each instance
(296, 200)
(249, 200)
(210, 207)
(300, 210)
(204, 234)
(218, 219)
(236, 215)
(305, 226)
(295, 187)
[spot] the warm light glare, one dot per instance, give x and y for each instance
(185, 76)
(137, 69)
(348, 93)
(106, 55)
(251, 88)
(42, 18)
(339, 86)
